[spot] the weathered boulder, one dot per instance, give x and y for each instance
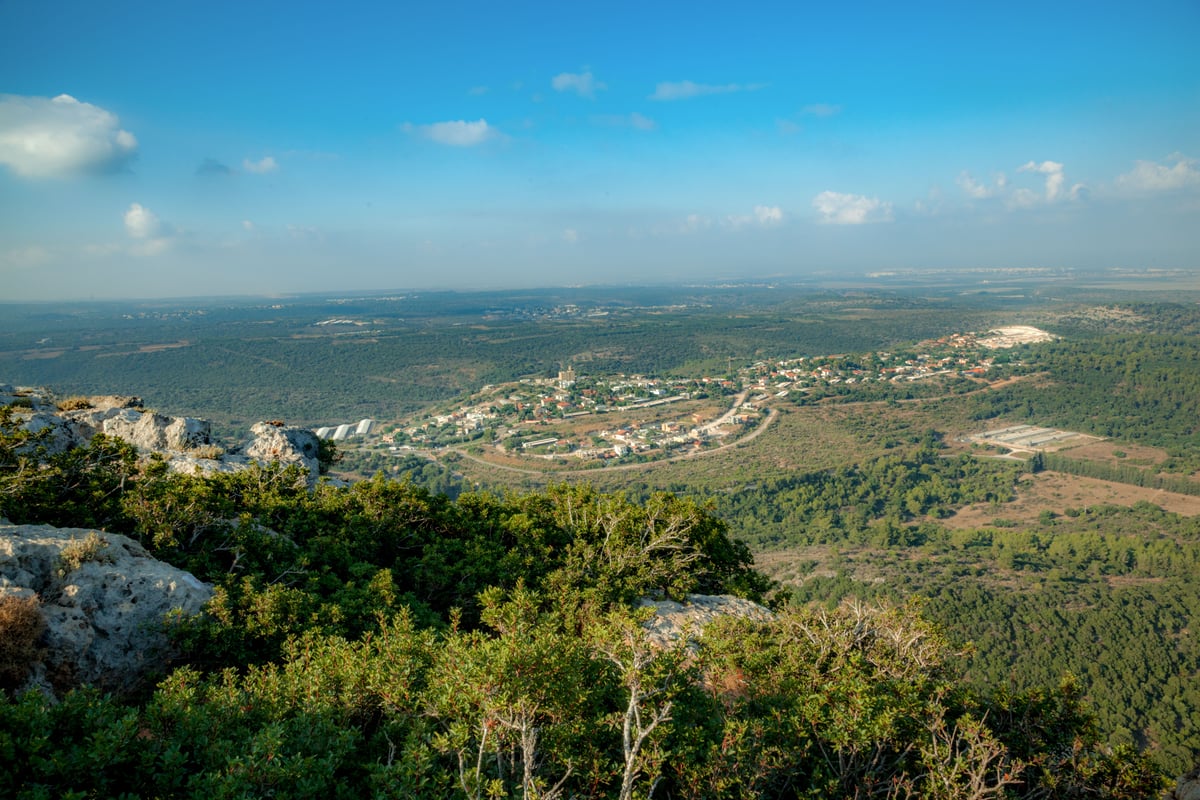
(184, 442)
(1188, 787)
(105, 601)
(285, 444)
(149, 431)
(25, 397)
(671, 620)
(54, 433)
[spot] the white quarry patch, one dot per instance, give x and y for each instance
(1015, 335)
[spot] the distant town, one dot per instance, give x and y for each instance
(600, 419)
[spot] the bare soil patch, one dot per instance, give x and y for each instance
(154, 348)
(1106, 451)
(1055, 492)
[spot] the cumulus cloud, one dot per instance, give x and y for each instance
(1054, 176)
(570, 236)
(455, 133)
(1054, 189)
(152, 236)
(981, 191)
(684, 90)
(1149, 176)
(583, 84)
(837, 208)
(142, 223)
(59, 137)
(261, 167)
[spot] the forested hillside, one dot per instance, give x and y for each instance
(850, 498)
(1141, 388)
(379, 641)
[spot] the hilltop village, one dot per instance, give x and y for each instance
(598, 419)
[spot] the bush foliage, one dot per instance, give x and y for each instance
(377, 640)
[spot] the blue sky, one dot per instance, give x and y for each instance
(152, 149)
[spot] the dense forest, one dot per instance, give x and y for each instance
(377, 640)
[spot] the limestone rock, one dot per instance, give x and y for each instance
(672, 619)
(57, 434)
(1188, 787)
(104, 599)
(285, 444)
(149, 431)
(25, 397)
(184, 442)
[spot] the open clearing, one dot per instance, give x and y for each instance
(1108, 453)
(1055, 491)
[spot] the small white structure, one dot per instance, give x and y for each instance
(364, 427)
(342, 432)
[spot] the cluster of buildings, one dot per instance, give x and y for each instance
(547, 416)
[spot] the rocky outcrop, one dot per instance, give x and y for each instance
(185, 442)
(149, 431)
(104, 599)
(1188, 787)
(672, 620)
(284, 444)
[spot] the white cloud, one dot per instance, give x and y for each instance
(821, 110)
(1054, 189)
(583, 84)
(570, 236)
(476, 91)
(683, 90)
(249, 226)
(1054, 176)
(768, 215)
(142, 223)
(455, 133)
(1148, 176)
(837, 208)
(57, 137)
(764, 216)
(152, 235)
(261, 167)
(980, 191)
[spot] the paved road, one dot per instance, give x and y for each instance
(772, 415)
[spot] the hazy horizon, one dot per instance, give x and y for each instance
(182, 150)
